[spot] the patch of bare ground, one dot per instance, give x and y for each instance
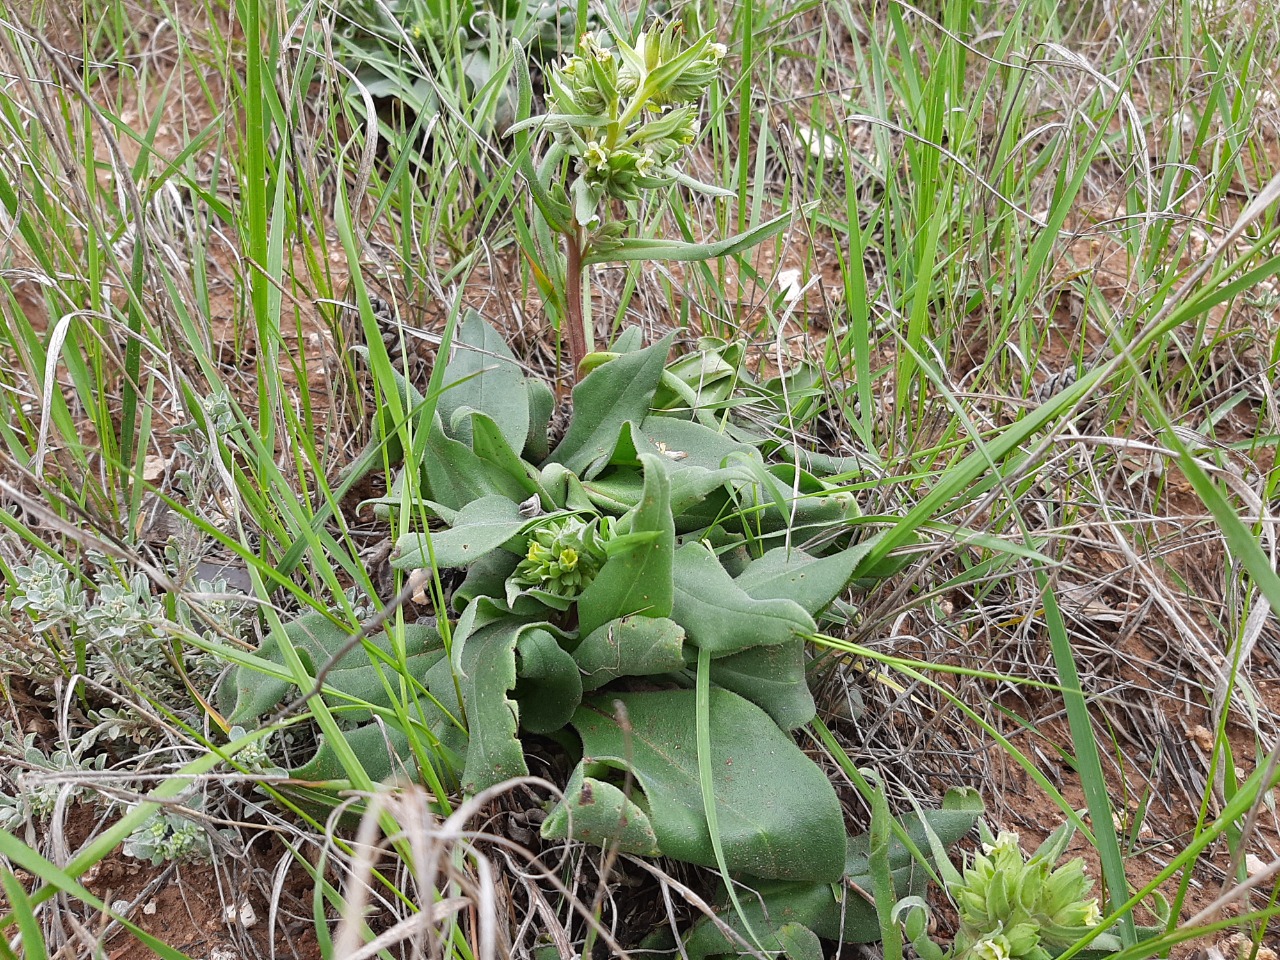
(257, 904)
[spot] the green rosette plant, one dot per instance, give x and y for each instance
(408, 50)
(655, 554)
(1016, 907)
(563, 558)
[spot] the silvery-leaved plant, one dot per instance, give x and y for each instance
(122, 612)
(47, 592)
(622, 115)
(165, 836)
(121, 629)
(30, 785)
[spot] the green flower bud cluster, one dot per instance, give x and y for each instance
(1012, 908)
(564, 556)
(626, 113)
(656, 50)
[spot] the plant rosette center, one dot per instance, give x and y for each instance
(563, 557)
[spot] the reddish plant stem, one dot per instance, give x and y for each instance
(576, 334)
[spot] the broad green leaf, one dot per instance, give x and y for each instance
(629, 340)
(710, 373)
(482, 612)
(813, 517)
(248, 693)
(549, 687)
(824, 464)
(480, 527)
(564, 488)
(644, 248)
(887, 566)
(492, 447)
(637, 580)
(791, 400)
(777, 811)
(596, 811)
(384, 749)
(698, 496)
(796, 502)
(772, 678)
(395, 500)
(519, 597)
(608, 397)
(483, 374)
(799, 480)
(488, 672)
(455, 475)
(542, 404)
(625, 447)
(717, 614)
(442, 684)
(487, 577)
(616, 491)
(689, 444)
(812, 582)
(366, 683)
(634, 646)
(832, 911)
(798, 942)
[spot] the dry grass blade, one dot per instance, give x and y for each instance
(450, 873)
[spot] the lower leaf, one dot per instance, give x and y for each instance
(596, 811)
(778, 813)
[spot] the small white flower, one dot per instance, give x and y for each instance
(718, 51)
(646, 164)
(596, 156)
(993, 948)
(819, 144)
(789, 281)
(1006, 839)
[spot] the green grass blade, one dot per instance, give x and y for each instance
(1088, 762)
(33, 947)
(706, 780)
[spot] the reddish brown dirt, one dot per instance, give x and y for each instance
(182, 904)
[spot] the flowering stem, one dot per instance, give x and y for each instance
(580, 342)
